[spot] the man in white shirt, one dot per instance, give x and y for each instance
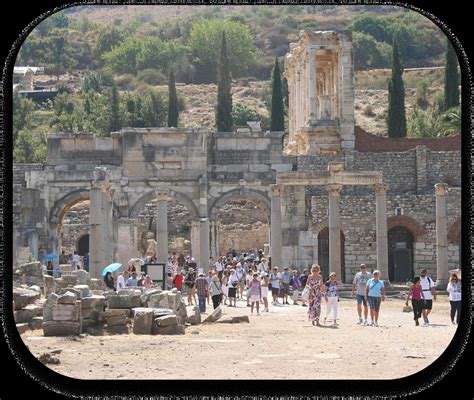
(121, 280)
(219, 265)
(429, 292)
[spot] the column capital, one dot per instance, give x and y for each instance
(275, 190)
(335, 168)
(106, 189)
(334, 190)
(380, 188)
(162, 195)
(441, 189)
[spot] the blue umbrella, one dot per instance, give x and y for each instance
(111, 268)
(50, 256)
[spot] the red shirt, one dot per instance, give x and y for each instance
(178, 281)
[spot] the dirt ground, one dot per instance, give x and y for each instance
(280, 344)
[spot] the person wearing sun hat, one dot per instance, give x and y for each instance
(189, 281)
(215, 289)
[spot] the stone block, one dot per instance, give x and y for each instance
(95, 284)
(83, 277)
(194, 316)
(28, 313)
(36, 323)
(166, 320)
(67, 298)
(127, 301)
(22, 328)
(49, 285)
(145, 297)
(116, 320)
(32, 269)
(23, 297)
(142, 322)
(62, 328)
(168, 330)
(70, 289)
(114, 312)
(214, 316)
(69, 280)
(118, 329)
(89, 323)
(90, 313)
(48, 306)
(94, 301)
(159, 300)
(66, 312)
(85, 290)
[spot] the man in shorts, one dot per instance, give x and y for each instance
(359, 283)
(429, 292)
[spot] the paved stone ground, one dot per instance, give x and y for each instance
(280, 344)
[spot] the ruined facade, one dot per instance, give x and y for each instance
(331, 196)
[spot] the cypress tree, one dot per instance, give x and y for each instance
(451, 78)
(277, 113)
(114, 118)
(396, 119)
(224, 121)
(173, 111)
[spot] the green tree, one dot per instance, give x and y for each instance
(58, 54)
(204, 44)
(241, 114)
(114, 116)
(451, 78)
(396, 118)
(23, 109)
(224, 122)
(29, 147)
(173, 112)
(277, 112)
(369, 53)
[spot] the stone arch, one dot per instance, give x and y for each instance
(151, 195)
(454, 232)
(408, 223)
(63, 205)
(260, 199)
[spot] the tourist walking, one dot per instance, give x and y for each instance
(202, 289)
(285, 284)
(189, 281)
(225, 285)
(417, 300)
(332, 296)
(178, 281)
(255, 293)
(121, 280)
(240, 274)
(374, 294)
(429, 292)
(50, 268)
(264, 288)
(215, 289)
(209, 280)
(303, 278)
(295, 286)
(359, 285)
(275, 285)
(132, 281)
(316, 291)
(454, 290)
(232, 284)
(109, 282)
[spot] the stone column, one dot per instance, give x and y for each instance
(275, 226)
(97, 240)
(441, 237)
(109, 226)
(162, 226)
(312, 85)
(203, 261)
(126, 242)
(195, 239)
(381, 229)
(334, 192)
(214, 239)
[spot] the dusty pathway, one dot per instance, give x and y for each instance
(276, 345)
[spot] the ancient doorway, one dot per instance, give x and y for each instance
(323, 254)
(242, 227)
(83, 245)
(400, 254)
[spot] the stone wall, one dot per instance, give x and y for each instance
(444, 166)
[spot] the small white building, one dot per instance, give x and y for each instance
(23, 77)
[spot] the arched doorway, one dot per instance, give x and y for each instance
(83, 245)
(323, 254)
(242, 226)
(400, 254)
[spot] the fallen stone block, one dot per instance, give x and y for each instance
(142, 322)
(83, 277)
(234, 320)
(49, 305)
(166, 320)
(90, 313)
(67, 298)
(118, 330)
(61, 328)
(36, 323)
(69, 280)
(88, 323)
(157, 312)
(33, 269)
(49, 285)
(119, 301)
(145, 297)
(214, 316)
(22, 328)
(85, 290)
(28, 313)
(35, 288)
(66, 312)
(94, 301)
(159, 300)
(23, 297)
(168, 330)
(96, 284)
(114, 312)
(117, 320)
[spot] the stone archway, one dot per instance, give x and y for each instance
(400, 254)
(63, 205)
(404, 221)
